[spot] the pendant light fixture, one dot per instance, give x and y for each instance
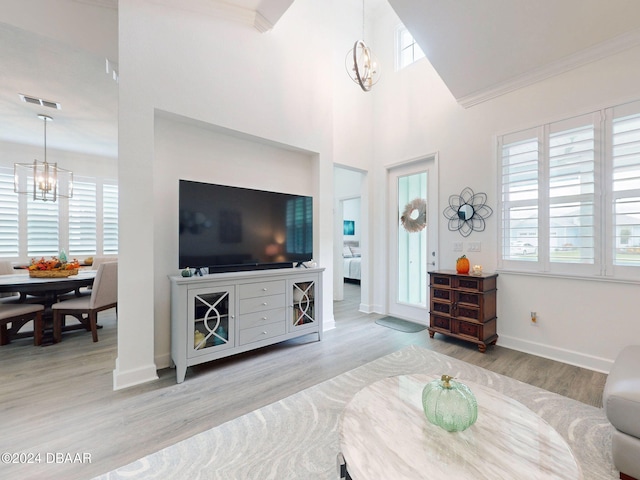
(42, 179)
(362, 67)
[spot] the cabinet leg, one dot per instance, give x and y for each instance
(431, 334)
(482, 347)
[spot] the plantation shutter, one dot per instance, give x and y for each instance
(9, 216)
(110, 219)
(625, 180)
(42, 228)
(571, 167)
(82, 220)
(520, 154)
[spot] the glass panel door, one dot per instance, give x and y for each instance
(413, 237)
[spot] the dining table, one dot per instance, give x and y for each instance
(45, 291)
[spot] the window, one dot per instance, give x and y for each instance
(407, 50)
(84, 225)
(570, 195)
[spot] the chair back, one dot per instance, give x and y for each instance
(105, 286)
(97, 261)
(6, 269)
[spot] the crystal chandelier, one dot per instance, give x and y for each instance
(362, 66)
(42, 179)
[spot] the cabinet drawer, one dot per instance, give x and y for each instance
(262, 332)
(471, 330)
(441, 308)
(266, 317)
(442, 323)
(469, 313)
(262, 289)
(441, 280)
(258, 304)
(442, 294)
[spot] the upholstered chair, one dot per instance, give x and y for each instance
(104, 295)
(18, 314)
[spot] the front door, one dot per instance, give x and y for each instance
(413, 237)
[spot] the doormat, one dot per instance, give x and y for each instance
(399, 324)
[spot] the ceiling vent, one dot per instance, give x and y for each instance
(39, 101)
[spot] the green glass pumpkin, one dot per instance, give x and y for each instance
(449, 404)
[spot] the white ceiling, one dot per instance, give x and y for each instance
(484, 48)
(480, 48)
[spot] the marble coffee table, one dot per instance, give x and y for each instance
(384, 434)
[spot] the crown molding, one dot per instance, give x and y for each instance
(112, 4)
(221, 9)
(563, 65)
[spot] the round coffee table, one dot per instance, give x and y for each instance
(384, 434)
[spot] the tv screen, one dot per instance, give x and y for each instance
(231, 228)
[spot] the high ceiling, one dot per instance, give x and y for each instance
(57, 50)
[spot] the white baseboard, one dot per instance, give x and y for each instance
(328, 323)
(570, 357)
(133, 377)
(163, 361)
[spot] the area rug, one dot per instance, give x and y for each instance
(399, 324)
(297, 437)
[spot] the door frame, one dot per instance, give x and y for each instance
(428, 163)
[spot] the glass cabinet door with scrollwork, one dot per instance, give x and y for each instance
(303, 304)
(211, 320)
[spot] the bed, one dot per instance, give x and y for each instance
(351, 258)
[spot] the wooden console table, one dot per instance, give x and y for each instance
(464, 306)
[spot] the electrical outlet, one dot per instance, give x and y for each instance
(474, 247)
(534, 318)
(457, 246)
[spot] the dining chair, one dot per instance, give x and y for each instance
(104, 295)
(6, 268)
(18, 314)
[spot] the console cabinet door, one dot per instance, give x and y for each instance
(302, 303)
(211, 320)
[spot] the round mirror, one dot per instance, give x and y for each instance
(465, 212)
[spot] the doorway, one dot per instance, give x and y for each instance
(413, 236)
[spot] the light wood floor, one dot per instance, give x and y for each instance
(60, 398)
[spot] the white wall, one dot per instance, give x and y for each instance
(581, 322)
(274, 88)
(213, 157)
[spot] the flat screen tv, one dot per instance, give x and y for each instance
(228, 228)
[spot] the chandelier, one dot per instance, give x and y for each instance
(362, 66)
(42, 179)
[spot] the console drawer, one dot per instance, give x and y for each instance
(266, 317)
(262, 332)
(259, 304)
(262, 289)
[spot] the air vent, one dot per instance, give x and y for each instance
(39, 101)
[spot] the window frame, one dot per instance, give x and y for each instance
(604, 234)
(416, 51)
(63, 210)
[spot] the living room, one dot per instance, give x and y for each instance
(199, 94)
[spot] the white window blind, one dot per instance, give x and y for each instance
(9, 216)
(82, 219)
(571, 190)
(625, 180)
(519, 180)
(110, 219)
(571, 174)
(42, 228)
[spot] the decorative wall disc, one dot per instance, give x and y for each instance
(414, 215)
(466, 212)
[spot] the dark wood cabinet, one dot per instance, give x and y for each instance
(464, 306)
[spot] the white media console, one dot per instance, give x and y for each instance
(222, 314)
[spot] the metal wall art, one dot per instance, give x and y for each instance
(466, 212)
